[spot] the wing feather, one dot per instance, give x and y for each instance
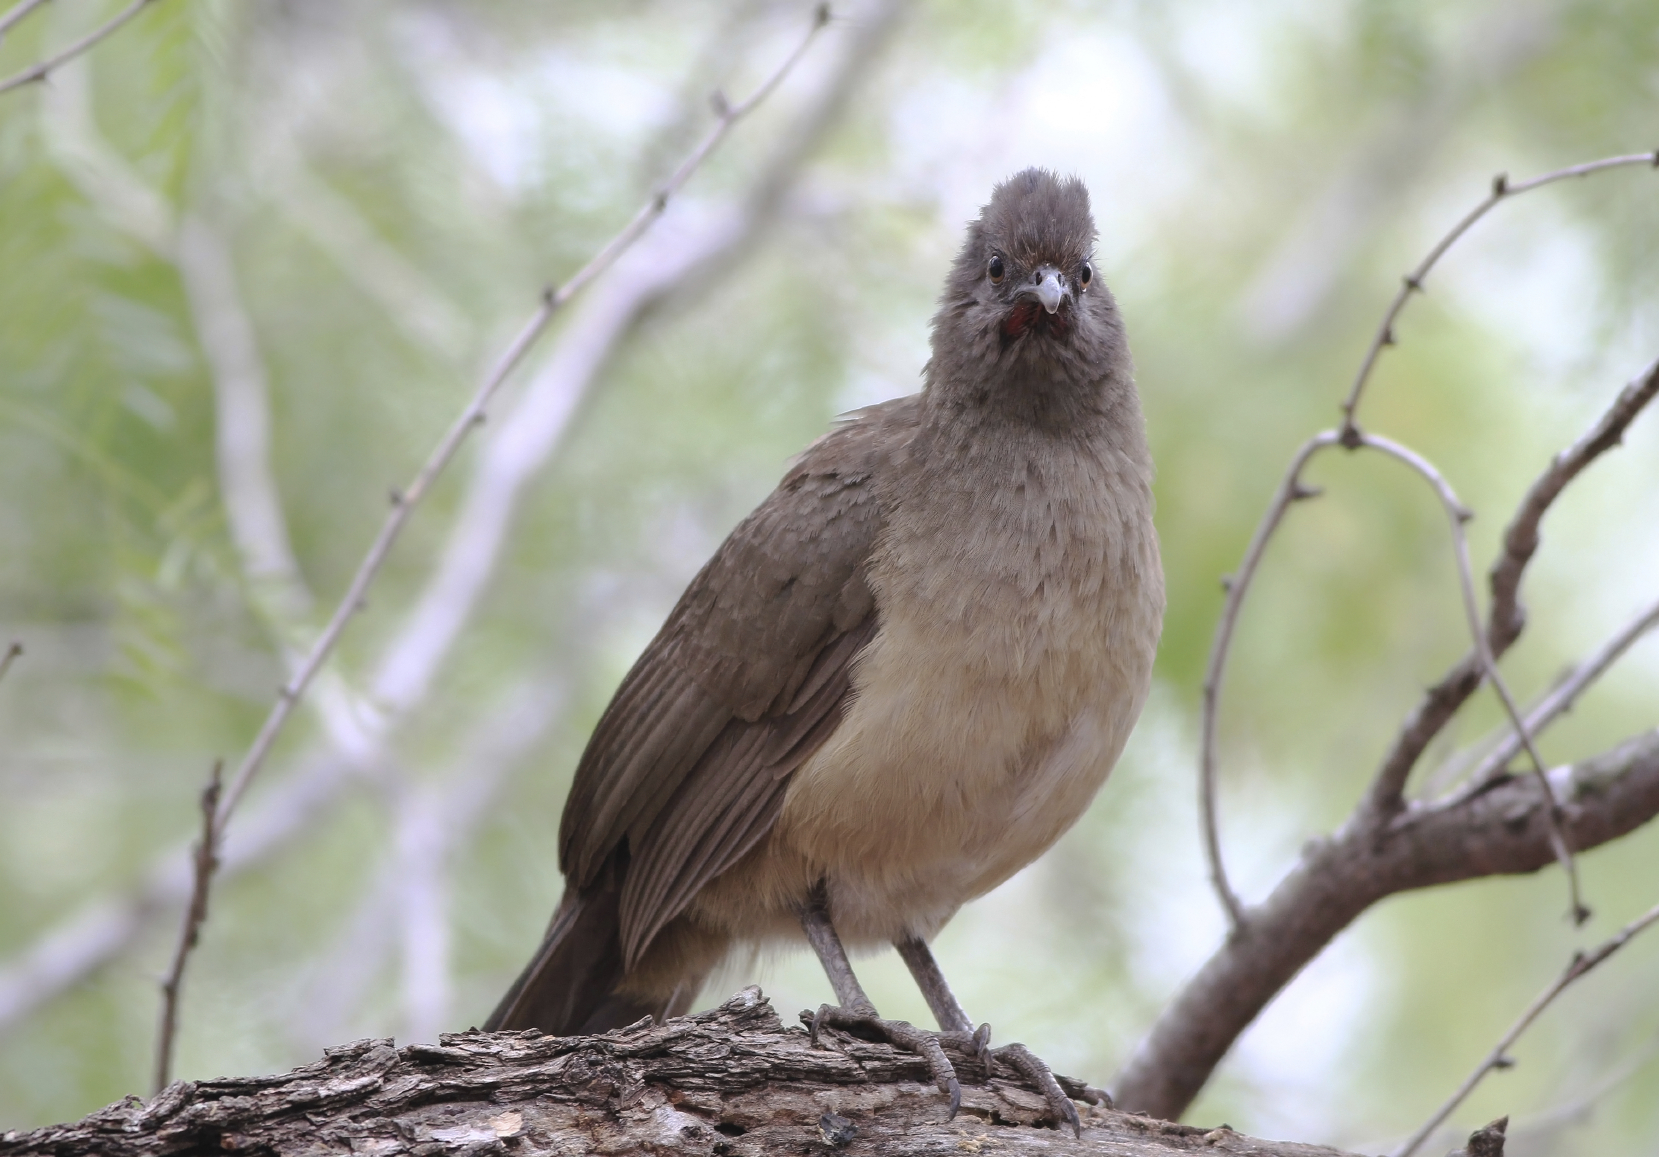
(688, 765)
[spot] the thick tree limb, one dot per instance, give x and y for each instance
(1502, 831)
(732, 1081)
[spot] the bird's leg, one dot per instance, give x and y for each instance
(856, 1011)
(948, 1010)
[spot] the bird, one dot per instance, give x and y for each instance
(896, 683)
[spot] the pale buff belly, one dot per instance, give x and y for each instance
(962, 757)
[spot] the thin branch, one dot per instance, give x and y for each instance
(1580, 964)
(1238, 586)
(1561, 698)
(404, 502)
(100, 930)
(1413, 282)
(1505, 619)
(1457, 515)
(39, 71)
(11, 18)
(204, 862)
(10, 657)
(1521, 538)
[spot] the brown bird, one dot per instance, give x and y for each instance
(897, 682)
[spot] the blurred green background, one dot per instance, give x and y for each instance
(253, 258)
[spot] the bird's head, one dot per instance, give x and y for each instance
(1023, 307)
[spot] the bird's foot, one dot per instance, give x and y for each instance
(917, 1041)
(1035, 1070)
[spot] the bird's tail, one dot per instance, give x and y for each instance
(569, 986)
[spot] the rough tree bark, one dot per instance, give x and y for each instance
(729, 1082)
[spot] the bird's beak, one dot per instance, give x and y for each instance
(1048, 287)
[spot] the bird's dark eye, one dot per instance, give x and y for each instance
(1085, 274)
(996, 268)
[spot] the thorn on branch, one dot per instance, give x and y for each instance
(1227, 583)
(1656, 158)
(1301, 492)
(396, 496)
(1388, 336)
(549, 296)
(1504, 1062)
(1500, 185)
(722, 107)
(1413, 282)
(821, 17)
(1485, 1142)
(1350, 438)
(6, 660)
(204, 862)
(659, 200)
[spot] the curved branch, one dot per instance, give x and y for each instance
(405, 501)
(1238, 586)
(1505, 620)
(1413, 281)
(1458, 514)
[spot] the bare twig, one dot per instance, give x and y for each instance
(1412, 282)
(1238, 586)
(1457, 514)
(405, 501)
(1562, 697)
(11, 19)
(10, 657)
(204, 862)
(1580, 964)
(1505, 619)
(40, 71)
(519, 445)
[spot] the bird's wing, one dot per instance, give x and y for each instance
(747, 677)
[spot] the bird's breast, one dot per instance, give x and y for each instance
(1017, 629)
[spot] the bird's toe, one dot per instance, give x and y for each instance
(1033, 1068)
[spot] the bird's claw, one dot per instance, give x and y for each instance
(1038, 1073)
(903, 1035)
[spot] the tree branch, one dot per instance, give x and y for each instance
(204, 863)
(1237, 587)
(1413, 281)
(40, 71)
(732, 1082)
(1581, 963)
(519, 446)
(1505, 618)
(15, 15)
(1502, 831)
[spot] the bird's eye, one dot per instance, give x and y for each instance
(996, 268)
(1085, 274)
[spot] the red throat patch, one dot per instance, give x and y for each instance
(1028, 315)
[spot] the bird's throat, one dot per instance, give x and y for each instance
(1030, 317)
